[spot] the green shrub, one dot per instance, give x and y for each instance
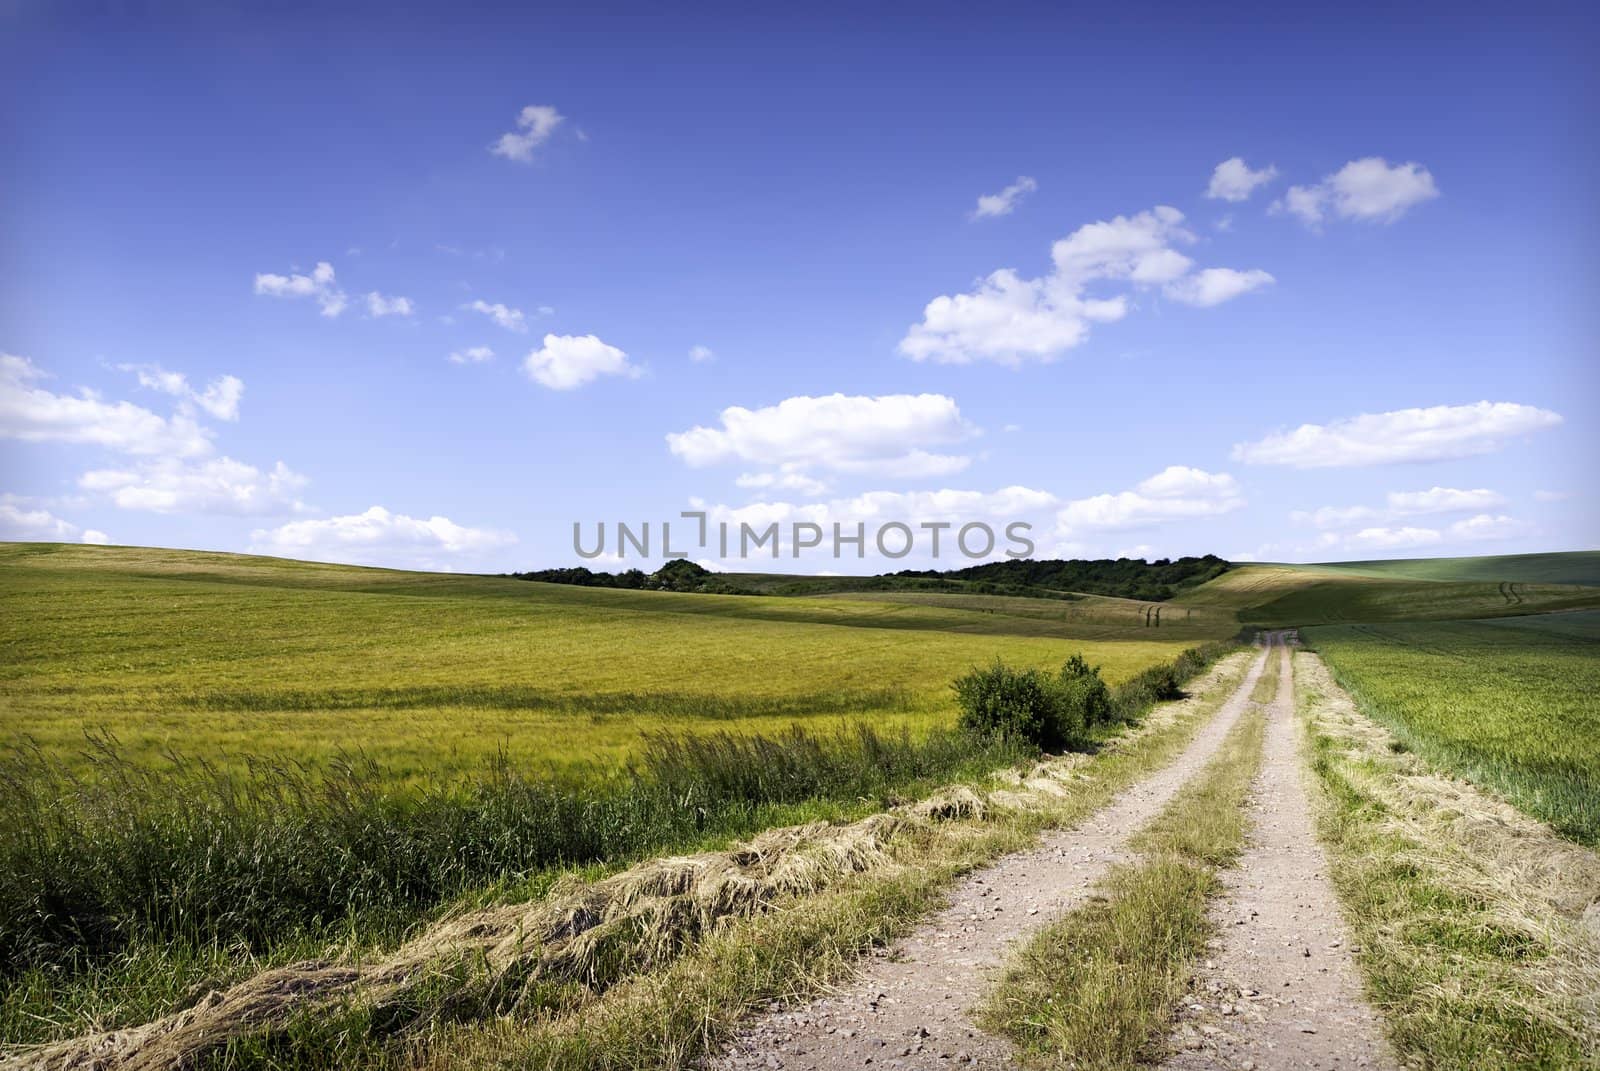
(1016, 704)
(1085, 698)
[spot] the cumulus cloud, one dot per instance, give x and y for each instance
(378, 305)
(215, 485)
(1006, 201)
(1488, 526)
(893, 435)
(17, 522)
(1401, 504)
(535, 124)
(1175, 493)
(782, 481)
(1234, 181)
(1336, 516)
(566, 362)
(220, 398)
(319, 285)
(472, 355)
(1213, 286)
(379, 537)
(507, 317)
(30, 413)
(95, 536)
(1436, 433)
(1444, 500)
(1379, 538)
(1009, 319)
(1369, 189)
(701, 354)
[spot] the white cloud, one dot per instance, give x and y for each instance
(1006, 201)
(378, 537)
(1337, 516)
(220, 398)
(32, 414)
(782, 481)
(94, 536)
(536, 123)
(565, 362)
(886, 435)
(1234, 181)
(1213, 286)
(34, 525)
(1437, 433)
(1379, 538)
(320, 285)
(1009, 319)
(378, 305)
(507, 317)
(216, 485)
(701, 354)
(1401, 504)
(472, 355)
(1175, 493)
(1487, 526)
(1368, 189)
(1444, 500)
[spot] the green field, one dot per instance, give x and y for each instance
(1510, 704)
(1282, 596)
(1572, 567)
(214, 654)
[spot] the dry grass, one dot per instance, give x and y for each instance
(1480, 927)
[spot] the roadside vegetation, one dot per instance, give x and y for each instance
(1094, 989)
(1513, 705)
(1474, 922)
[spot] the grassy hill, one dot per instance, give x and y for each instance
(1573, 567)
(1273, 595)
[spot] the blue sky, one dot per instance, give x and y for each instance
(1411, 232)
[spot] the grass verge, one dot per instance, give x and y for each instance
(1091, 990)
(1508, 704)
(1477, 927)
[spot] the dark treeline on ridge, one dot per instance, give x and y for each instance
(1128, 578)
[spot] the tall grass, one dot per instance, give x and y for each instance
(91, 863)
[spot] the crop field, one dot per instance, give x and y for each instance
(222, 655)
(1283, 596)
(1509, 704)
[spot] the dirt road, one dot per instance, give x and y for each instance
(909, 1009)
(1280, 990)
